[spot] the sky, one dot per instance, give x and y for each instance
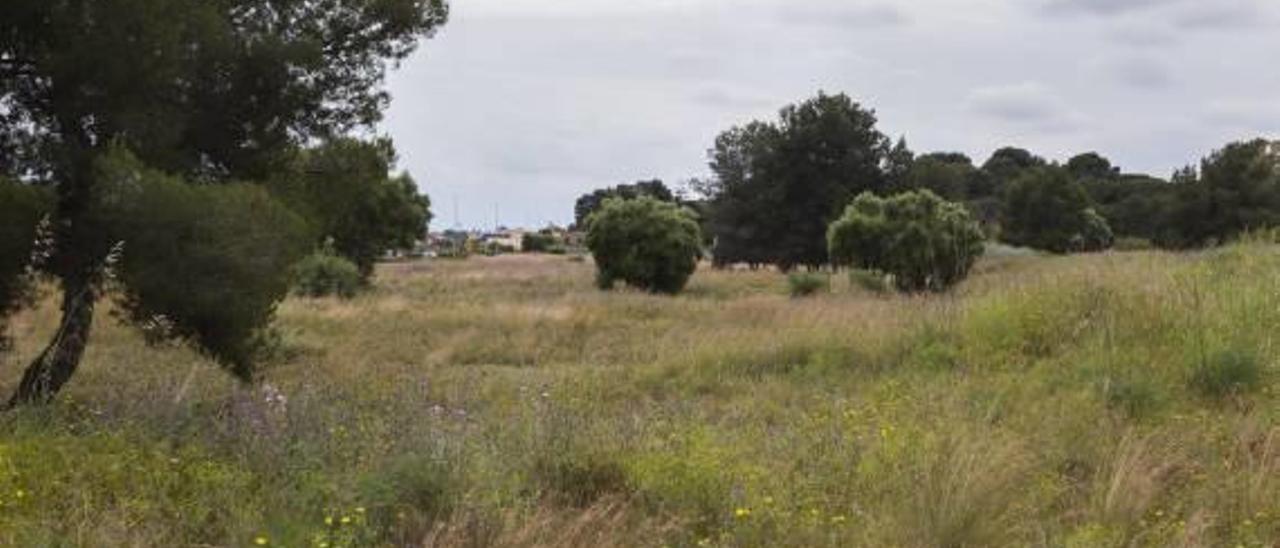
(517, 107)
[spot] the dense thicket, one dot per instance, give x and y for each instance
(923, 242)
(209, 92)
(646, 243)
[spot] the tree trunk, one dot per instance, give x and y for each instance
(58, 362)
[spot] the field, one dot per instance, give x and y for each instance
(1122, 399)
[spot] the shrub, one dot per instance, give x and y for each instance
(324, 274)
(538, 242)
(212, 260)
(646, 243)
(924, 242)
(1227, 372)
(804, 284)
(1130, 243)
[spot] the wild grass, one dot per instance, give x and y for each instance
(1125, 399)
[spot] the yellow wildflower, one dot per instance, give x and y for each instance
(742, 512)
(261, 541)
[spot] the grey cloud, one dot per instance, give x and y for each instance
(1147, 73)
(1103, 7)
(852, 16)
(1029, 104)
(1221, 14)
(1245, 115)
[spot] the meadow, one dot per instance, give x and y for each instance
(1117, 399)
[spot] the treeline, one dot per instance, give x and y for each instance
(776, 186)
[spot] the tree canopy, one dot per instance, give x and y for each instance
(205, 91)
(591, 202)
(777, 185)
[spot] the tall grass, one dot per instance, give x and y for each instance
(1106, 400)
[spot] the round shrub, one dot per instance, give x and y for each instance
(924, 242)
(646, 243)
(324, 274)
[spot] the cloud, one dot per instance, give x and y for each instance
(1103, 7)
(1028, 104)
(1142, 72)
(848, 16)
(1245, 115)
(1221, 15)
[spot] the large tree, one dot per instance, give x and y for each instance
(778, 185)
(207, 90)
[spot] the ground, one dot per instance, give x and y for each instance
(1121, 399)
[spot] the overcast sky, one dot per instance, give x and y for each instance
(525, 104)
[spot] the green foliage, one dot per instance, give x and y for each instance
(924, 242)
(1237, 190)
(588, 204)
(804, 284)
(211, 260)
(777, 185)
(1046, 209)
(324, 274)
(539, 242)
(646, 243)
(343, 189)
(21, 209)
(1227, 372)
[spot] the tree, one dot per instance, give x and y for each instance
(207, 91)
(1092, 165)
(1047, 210)
(644, 242)
(949, 175)
(22, 207)
(1237, 189)
(1005, 165)
(345, 191)
(779, 185)
(589, 203)
(924, 242)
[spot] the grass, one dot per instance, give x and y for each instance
(1126, 399)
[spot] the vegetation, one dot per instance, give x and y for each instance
(646, 243)
(208, 92)
(776, 186)
(804, 284)
(588, 204)
(1046, 209)
(21, 209)
(325, 274)
(345, 191)
(922, 241)
(1045, 400)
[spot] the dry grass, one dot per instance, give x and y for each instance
(504, 401)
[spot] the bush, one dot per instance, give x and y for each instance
(804, 284)
(1227, 372)
(538, 242)
(324, 274)
(212, 261)
(924, 242)
(646, 243)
